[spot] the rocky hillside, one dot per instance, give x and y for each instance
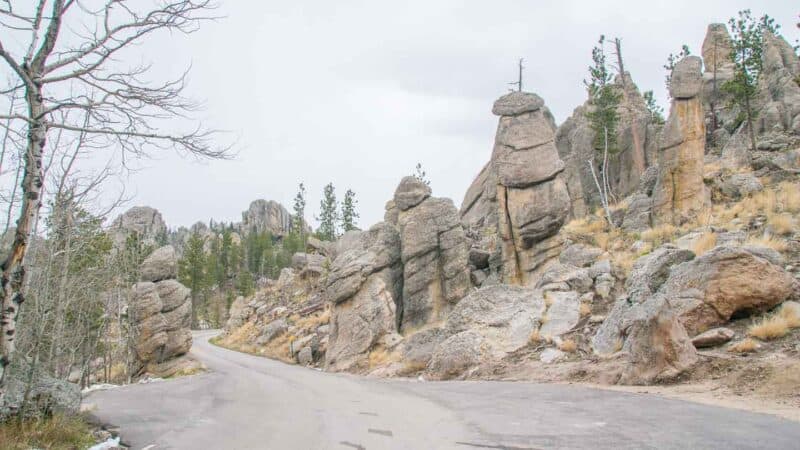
(692, 274)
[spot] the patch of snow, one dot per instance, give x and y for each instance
(107, 445)
(98, 387)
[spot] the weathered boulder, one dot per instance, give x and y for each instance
(562, 315)
(46, 394)
(237, 314)
(364, 285)
(657, 346)
(434, 252)
(723, 283)
(272, 330)
(419, 347)
(456, 355)
(308, 264)
(504, 316)
(740, 185)
(680, 192)
(162, 264)
(305, 356)
(713, 337)
(580, 255)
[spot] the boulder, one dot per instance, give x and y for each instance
(504, 316)
(516, 103)
(364, 286)
(740, 185)
(552, 355)
(656, 346)
(713, 337)
(272, 330)
(580, 255)
(173, 295)
(562, 315)
(456, 355)
(143, 222)
(162, 264)
(419, 347)
(305, 357)
(411, 192)
(686, 81)
(724, 283)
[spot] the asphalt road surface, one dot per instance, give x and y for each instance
(247, 402)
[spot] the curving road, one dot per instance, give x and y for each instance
(247, 402)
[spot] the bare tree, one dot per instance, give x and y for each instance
(518, 83)
(64, 64)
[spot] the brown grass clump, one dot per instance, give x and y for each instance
(585, 309)
(769, 327)
(789, 196)
(744, 346)
(534, 338)
(704, 243)
(568, 345)
(379, 357)
(782, 224)
(587, 226)
(625, 260)
(660, 234)
(57, 433)
(779, 245)
(790, 312)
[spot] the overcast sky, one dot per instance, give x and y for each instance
(356, 93)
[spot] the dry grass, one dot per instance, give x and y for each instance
(744, 346)
(585, 309)
(769, 328)
(779, 245)
(587, 226)
(660, 234)
(312, 321)
(781, 223)
(704, 243)
(788, 196)
(625, 260)
(380, 357)
(568, 345)
(412, 367)
(534, 338)
(790, 312)
(56, 433)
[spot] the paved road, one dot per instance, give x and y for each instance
(247, 402)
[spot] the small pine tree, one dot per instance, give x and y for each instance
(349, 214)
(298, 221)
(328, 214)
(672, 60)
(747, 38)
(604, 100)
(656, 112)
(419, 173)
(191, 270)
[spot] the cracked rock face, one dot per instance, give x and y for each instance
(263, 215)
(364, 285)
(434, 253)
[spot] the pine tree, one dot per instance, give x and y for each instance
(656, 112)
(328, 214)
(747, 38)
(191, 270)
(298, 221)
(349, 214)
(604, 100)
(420, 174)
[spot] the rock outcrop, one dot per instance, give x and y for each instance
(365, 287)
(264, 215)
(637, 142)
(680, 193)
(144, 222)
(520, 198)
(434, 254)
(161, 311)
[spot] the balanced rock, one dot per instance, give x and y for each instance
(143, 222)
(162, 264)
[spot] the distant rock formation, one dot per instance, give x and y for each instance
(433, 251)
(520, 199)
(680, 193)
(161, 311)
(637, 137)
(266, 215)
(720, 114)
(144, 221)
